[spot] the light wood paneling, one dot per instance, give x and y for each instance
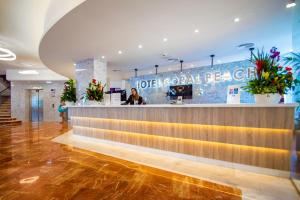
(268, 117)
(261, 137)
(258, 136)
(261, 157)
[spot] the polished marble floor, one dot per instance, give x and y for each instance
(34, 167)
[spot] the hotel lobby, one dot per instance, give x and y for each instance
(161, 99)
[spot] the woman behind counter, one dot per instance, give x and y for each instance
(134, 98)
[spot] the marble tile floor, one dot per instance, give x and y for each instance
(32, 166)
(253, 185)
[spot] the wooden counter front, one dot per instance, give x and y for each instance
(249, 134)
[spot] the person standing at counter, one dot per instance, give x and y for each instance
(134, 98)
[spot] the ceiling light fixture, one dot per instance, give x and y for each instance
(74, 64)
(140, 46)
(251, 52)
(156, 67)
(181, 62)
(28, 72)
(236, 19)
(212, 60)
(135, 72)
(102, 57)
(196, 31)
(7, 55)
(165, 39)
(120, 52)
(290, 4)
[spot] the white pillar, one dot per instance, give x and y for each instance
(88, 69)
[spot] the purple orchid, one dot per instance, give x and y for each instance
(275, 54)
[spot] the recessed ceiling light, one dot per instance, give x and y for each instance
(28, 72)
(196, 31)
(79, 70)
(236, 19)
(165, 39)
(140, 46)
(102, 57)
(7, 55)
(74, 64)
(48, 82)
(292, 4)
(120, 52)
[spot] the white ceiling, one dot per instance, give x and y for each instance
(102, 27)
(22, 25)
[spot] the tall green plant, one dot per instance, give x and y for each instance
(293, 59)
(69, 93)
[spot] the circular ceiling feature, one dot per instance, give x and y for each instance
(7, 55)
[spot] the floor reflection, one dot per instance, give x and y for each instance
(34, 167)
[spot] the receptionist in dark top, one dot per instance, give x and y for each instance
(134, 98)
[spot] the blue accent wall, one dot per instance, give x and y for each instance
(209, 84)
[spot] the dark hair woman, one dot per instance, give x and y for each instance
(134, 98)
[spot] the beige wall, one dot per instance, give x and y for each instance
(20, 99)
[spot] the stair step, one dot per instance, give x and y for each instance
(2, 116)
(10, 122)
(7, 118)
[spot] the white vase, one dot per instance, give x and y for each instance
(267, 98)
(94, 103)
(69, 103)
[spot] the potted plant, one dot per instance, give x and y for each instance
(94, 93)
(69, 93)
(272, 80)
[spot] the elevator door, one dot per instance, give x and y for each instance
(36, 105)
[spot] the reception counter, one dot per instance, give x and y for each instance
(251, 134)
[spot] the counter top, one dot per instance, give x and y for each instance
(189, 105)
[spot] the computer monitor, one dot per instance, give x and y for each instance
(186, 91)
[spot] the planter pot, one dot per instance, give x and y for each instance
(94, 103)
(267, 98)
(69, 103)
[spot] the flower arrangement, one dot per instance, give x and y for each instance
(271, 77)
(95, 91)
(69, 93)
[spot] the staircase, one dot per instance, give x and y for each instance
(5, 113)
(5, 105)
